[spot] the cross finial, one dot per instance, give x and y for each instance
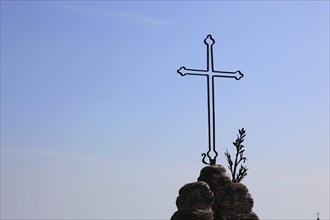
(318, 215)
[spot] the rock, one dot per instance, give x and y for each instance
(194, 202)
(214, 197)
(237, 201)
(217, 178)
(193, 215)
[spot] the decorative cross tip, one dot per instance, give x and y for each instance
(209, 40)
(182, 71)
(238, 75)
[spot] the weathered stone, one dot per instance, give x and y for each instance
(194, 202)
(237, 216)
(193, 215)
(214, 197)
(196, 196)
(237, 199)
(217, 178)
(214, 174)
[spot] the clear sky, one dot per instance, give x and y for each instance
(96, 122)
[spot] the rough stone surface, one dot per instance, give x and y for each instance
(214, 197)
(194, 202)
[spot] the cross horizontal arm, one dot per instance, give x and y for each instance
(184, 71)
(237, 75)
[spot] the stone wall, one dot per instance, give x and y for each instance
(214, 197)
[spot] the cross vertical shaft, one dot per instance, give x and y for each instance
(211, 119)
(210, 75)
(211, 153)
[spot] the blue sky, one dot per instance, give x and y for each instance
(96, 123)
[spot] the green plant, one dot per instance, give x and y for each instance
(233, 166)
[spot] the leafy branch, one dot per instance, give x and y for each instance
(233, 166)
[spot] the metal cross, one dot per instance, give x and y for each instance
(210, 74)
(318, 215)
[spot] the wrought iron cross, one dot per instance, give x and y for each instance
(318, 215)
(210, 74)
